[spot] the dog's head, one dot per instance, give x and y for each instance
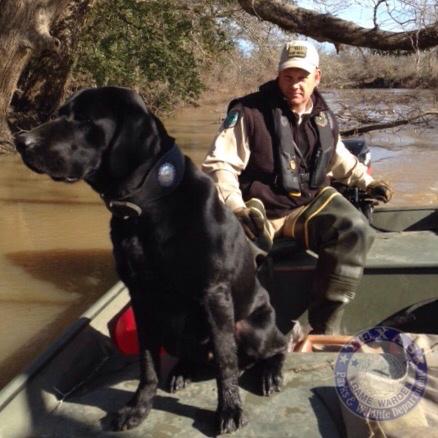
(99, 135)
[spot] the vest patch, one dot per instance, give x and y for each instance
(231, 120)
(321, 120)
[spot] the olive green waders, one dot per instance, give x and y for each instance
(334, 229)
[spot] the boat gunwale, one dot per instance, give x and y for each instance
(19, 382)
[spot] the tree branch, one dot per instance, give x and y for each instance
(376, 6)
(376, 126)
(326, 27)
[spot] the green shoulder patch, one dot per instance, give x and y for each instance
(232, 118)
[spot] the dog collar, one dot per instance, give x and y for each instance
(164, 177)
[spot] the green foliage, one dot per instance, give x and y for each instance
(158, 47)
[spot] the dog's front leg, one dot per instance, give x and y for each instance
(220, 313)
(140, 404)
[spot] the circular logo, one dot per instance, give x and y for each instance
(321, 120)
(166, 174)
(381, 374)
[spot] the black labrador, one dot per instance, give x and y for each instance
(182, 254)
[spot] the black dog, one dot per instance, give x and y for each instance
(186, 262)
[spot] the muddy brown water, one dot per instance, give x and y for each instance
(55, 253)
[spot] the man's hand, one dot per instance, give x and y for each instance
(379, 190)
(252, 221)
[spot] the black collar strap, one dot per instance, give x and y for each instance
(164, 177)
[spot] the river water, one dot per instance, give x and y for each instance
(55, 253)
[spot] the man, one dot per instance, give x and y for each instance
(273, 158)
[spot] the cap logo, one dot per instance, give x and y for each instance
(297, 51)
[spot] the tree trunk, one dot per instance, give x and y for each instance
(45, 32)
(44, 81)
(376, 126)
(326, 27)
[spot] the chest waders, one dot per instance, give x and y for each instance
(330, 226)
(340, 235)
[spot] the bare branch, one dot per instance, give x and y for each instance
(326, 27)
(374, 127)
(375, 12)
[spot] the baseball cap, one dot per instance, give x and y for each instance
(299, 54)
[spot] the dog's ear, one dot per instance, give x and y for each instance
(139, 137)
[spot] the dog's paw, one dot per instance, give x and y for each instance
(231, 419)
(272, 381)
(129, 417)
(179, 378)
(177, 382)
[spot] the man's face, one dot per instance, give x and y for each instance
(297, 86)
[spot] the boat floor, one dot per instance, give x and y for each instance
(73, 388)
(307, 406)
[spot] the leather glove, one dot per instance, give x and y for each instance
(251, 220)
(379, 190)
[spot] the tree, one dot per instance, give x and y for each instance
(326, 27)
(158, 47)
(28, 29)
(154, 46)
(37, 39)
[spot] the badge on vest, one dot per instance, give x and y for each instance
(231, 120)
(321, 120)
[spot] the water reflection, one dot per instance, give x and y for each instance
(55, 259)
(55, 268)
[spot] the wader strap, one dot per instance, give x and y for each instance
(289, 172)
(327, 141)
(300, 226)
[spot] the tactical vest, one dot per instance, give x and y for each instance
(289, 163)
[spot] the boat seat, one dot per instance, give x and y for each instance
(405, 249)
(401, 269)
(398, 250)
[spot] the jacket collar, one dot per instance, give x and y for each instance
(146, 185)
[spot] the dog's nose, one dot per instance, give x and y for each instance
(24, 140)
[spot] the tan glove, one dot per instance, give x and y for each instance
(379, 190)
(252, 221)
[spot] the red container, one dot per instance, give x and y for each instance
(124, 334)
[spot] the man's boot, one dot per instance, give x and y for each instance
(327, 306)
(325, 317)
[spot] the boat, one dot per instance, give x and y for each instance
(71, 388)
